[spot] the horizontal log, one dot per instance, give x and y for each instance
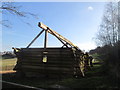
(50, 52)
(42, 65)
(50, 55)
(48, 58)
(46, 68)
(61, 51)
(49, 65)
(47, 71)
(47, 49)
(50, 62)
(39, 73)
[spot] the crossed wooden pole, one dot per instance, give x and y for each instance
(47, 30)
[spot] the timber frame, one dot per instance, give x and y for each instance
(49, 61)
(47, 30)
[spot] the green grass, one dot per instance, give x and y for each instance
(91, 82)
(95, 78)
(8, 64)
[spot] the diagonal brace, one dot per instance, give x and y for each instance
(35, 38)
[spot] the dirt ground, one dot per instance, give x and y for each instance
(9, 71)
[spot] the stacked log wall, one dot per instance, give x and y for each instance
(60, 61)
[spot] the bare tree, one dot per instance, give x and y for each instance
(119, 20)
(108, 31)
(11, 8)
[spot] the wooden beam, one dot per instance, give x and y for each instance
(41, 25)
(45, 41)
(35, 38)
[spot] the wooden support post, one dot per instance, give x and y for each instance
(35, 38)
(45, 41)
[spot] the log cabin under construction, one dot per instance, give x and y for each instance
(34, 62)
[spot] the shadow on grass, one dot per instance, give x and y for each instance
(95, 78)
